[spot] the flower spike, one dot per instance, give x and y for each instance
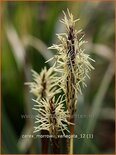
(43, 85)
(51, 116)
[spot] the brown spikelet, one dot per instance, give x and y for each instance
(43, 87)
(72, 65)
(53, 129)
(44, 141)
(71, 81)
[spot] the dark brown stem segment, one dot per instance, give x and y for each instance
(53, 129)
(70, 84)
(55, 146)
(70, 140)
(44, 142)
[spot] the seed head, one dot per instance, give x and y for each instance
(51, 115)
(43, 85)
(70, 57)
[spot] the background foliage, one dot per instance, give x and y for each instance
(28, 28)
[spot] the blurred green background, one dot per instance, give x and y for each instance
(28, 28)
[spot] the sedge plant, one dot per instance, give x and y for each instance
(68, 75)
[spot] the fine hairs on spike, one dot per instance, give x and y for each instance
(51, 115)
(72, 66)
(51, 118)
(43, 84)
(68, 75)
(43, 87)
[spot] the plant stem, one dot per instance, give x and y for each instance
(55, 146)
(71, 127)
(44, 142)
(71, 145)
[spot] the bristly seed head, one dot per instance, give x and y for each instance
(72, 64)
(68, 73)
(51, 115)
(43, 85)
